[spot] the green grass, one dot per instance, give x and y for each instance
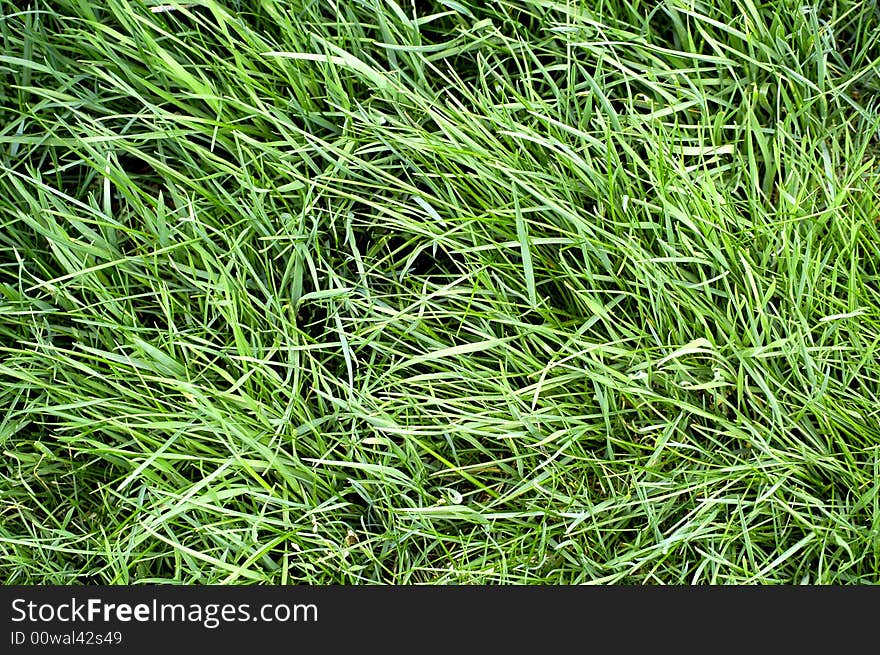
(502, 291)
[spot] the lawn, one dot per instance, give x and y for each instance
(472, 291)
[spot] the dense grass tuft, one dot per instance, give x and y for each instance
(508, 291)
